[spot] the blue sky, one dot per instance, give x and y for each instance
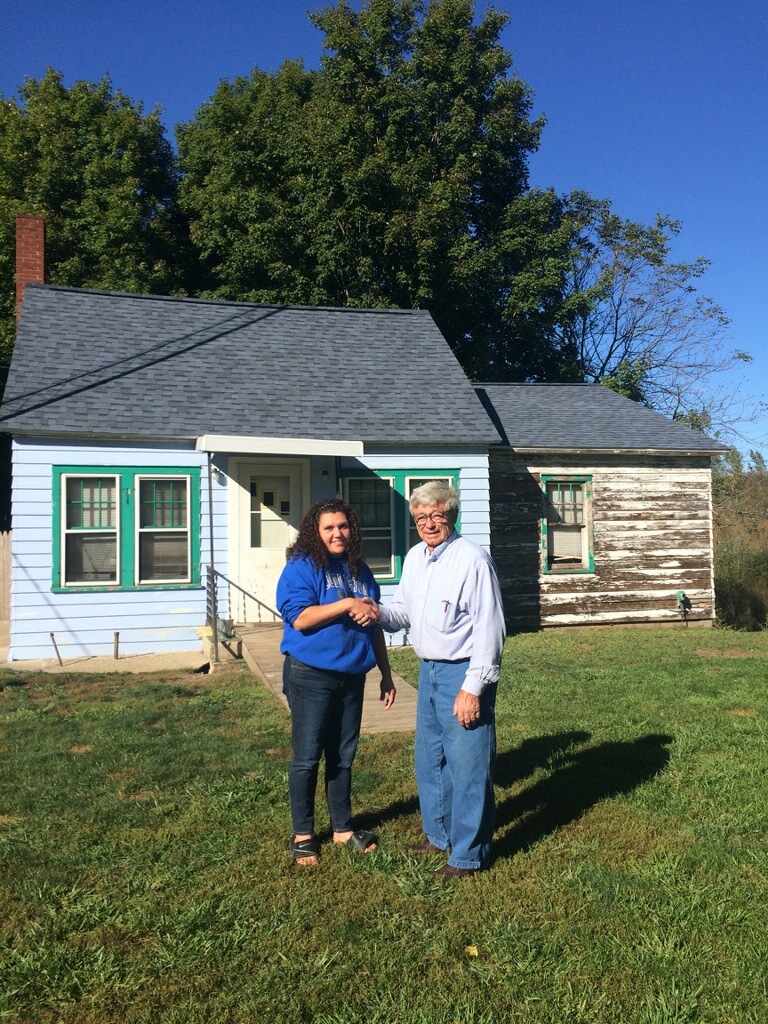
(660, 105)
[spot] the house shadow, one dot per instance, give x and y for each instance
(516, 509)
(578, 779)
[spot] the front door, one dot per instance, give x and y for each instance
(268, 513)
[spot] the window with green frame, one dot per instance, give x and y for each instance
(566, 525)
(125, 528)
(380, 499)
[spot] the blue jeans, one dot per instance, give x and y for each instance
(454, 766)
(326, 709)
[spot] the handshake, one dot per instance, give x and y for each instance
(364, 611)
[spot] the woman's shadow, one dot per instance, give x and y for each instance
(577, 780)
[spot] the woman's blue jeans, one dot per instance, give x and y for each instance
(326, 709)
(454, 766)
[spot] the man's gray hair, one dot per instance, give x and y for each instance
(436, 492)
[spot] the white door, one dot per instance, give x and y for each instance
(269, 508)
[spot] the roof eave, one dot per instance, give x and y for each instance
(561, 450)
(245, 443)
(73, 435)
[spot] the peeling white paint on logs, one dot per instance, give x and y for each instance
(652, 536)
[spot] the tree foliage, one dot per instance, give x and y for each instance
(397, 175)
(740, 497)
(641, 326)
(102, 174)
(740, 507)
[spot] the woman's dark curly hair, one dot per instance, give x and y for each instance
(308, 541)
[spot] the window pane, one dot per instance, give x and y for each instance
(565, 543)
(255, 530)
(568, 545)
(255, 513)
(371, 498)
(565, 503)
(91, 558)
(378, 554)
(91, 503)
(163, 504)
(163, 556)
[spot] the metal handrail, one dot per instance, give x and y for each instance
(262, 608)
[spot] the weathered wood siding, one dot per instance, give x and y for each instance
(652, 534)
(84, 624)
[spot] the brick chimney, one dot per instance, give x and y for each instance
(30, 255)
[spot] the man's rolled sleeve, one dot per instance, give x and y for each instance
(394, 615)
(488, 630)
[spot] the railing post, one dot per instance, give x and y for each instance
(215, 609)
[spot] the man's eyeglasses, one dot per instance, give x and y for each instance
(438, 518)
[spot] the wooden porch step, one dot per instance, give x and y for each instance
(261, 651)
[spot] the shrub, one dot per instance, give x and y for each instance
(741, 586)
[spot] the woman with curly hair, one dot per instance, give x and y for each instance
(328, 600)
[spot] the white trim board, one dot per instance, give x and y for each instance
(234, 445)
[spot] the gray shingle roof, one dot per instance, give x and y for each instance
(584, 416)
(116, 364)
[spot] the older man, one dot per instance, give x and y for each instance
(449, 601)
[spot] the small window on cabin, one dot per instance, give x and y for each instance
(567, 541)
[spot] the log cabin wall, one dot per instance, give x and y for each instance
(651, 534)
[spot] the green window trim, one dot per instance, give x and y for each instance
(573, 493)
(138, 513)
(401, 483)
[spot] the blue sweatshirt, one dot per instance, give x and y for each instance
(339, 646)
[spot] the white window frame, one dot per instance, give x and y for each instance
(374, 531)
(68, 531)
(141, 530)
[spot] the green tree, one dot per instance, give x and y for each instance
(639, 324)
(740, 511)
(397, 175)
(244, 188)
(740, 497)
(101, 173)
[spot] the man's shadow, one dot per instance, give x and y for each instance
(577, 780)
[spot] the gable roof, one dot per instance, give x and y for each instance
(112, 364)
(587, 417)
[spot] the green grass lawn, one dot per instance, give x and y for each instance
(145, 877)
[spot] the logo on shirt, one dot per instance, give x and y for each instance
(346, 584)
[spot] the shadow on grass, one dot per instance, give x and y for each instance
(579, 779)
(393, 811)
